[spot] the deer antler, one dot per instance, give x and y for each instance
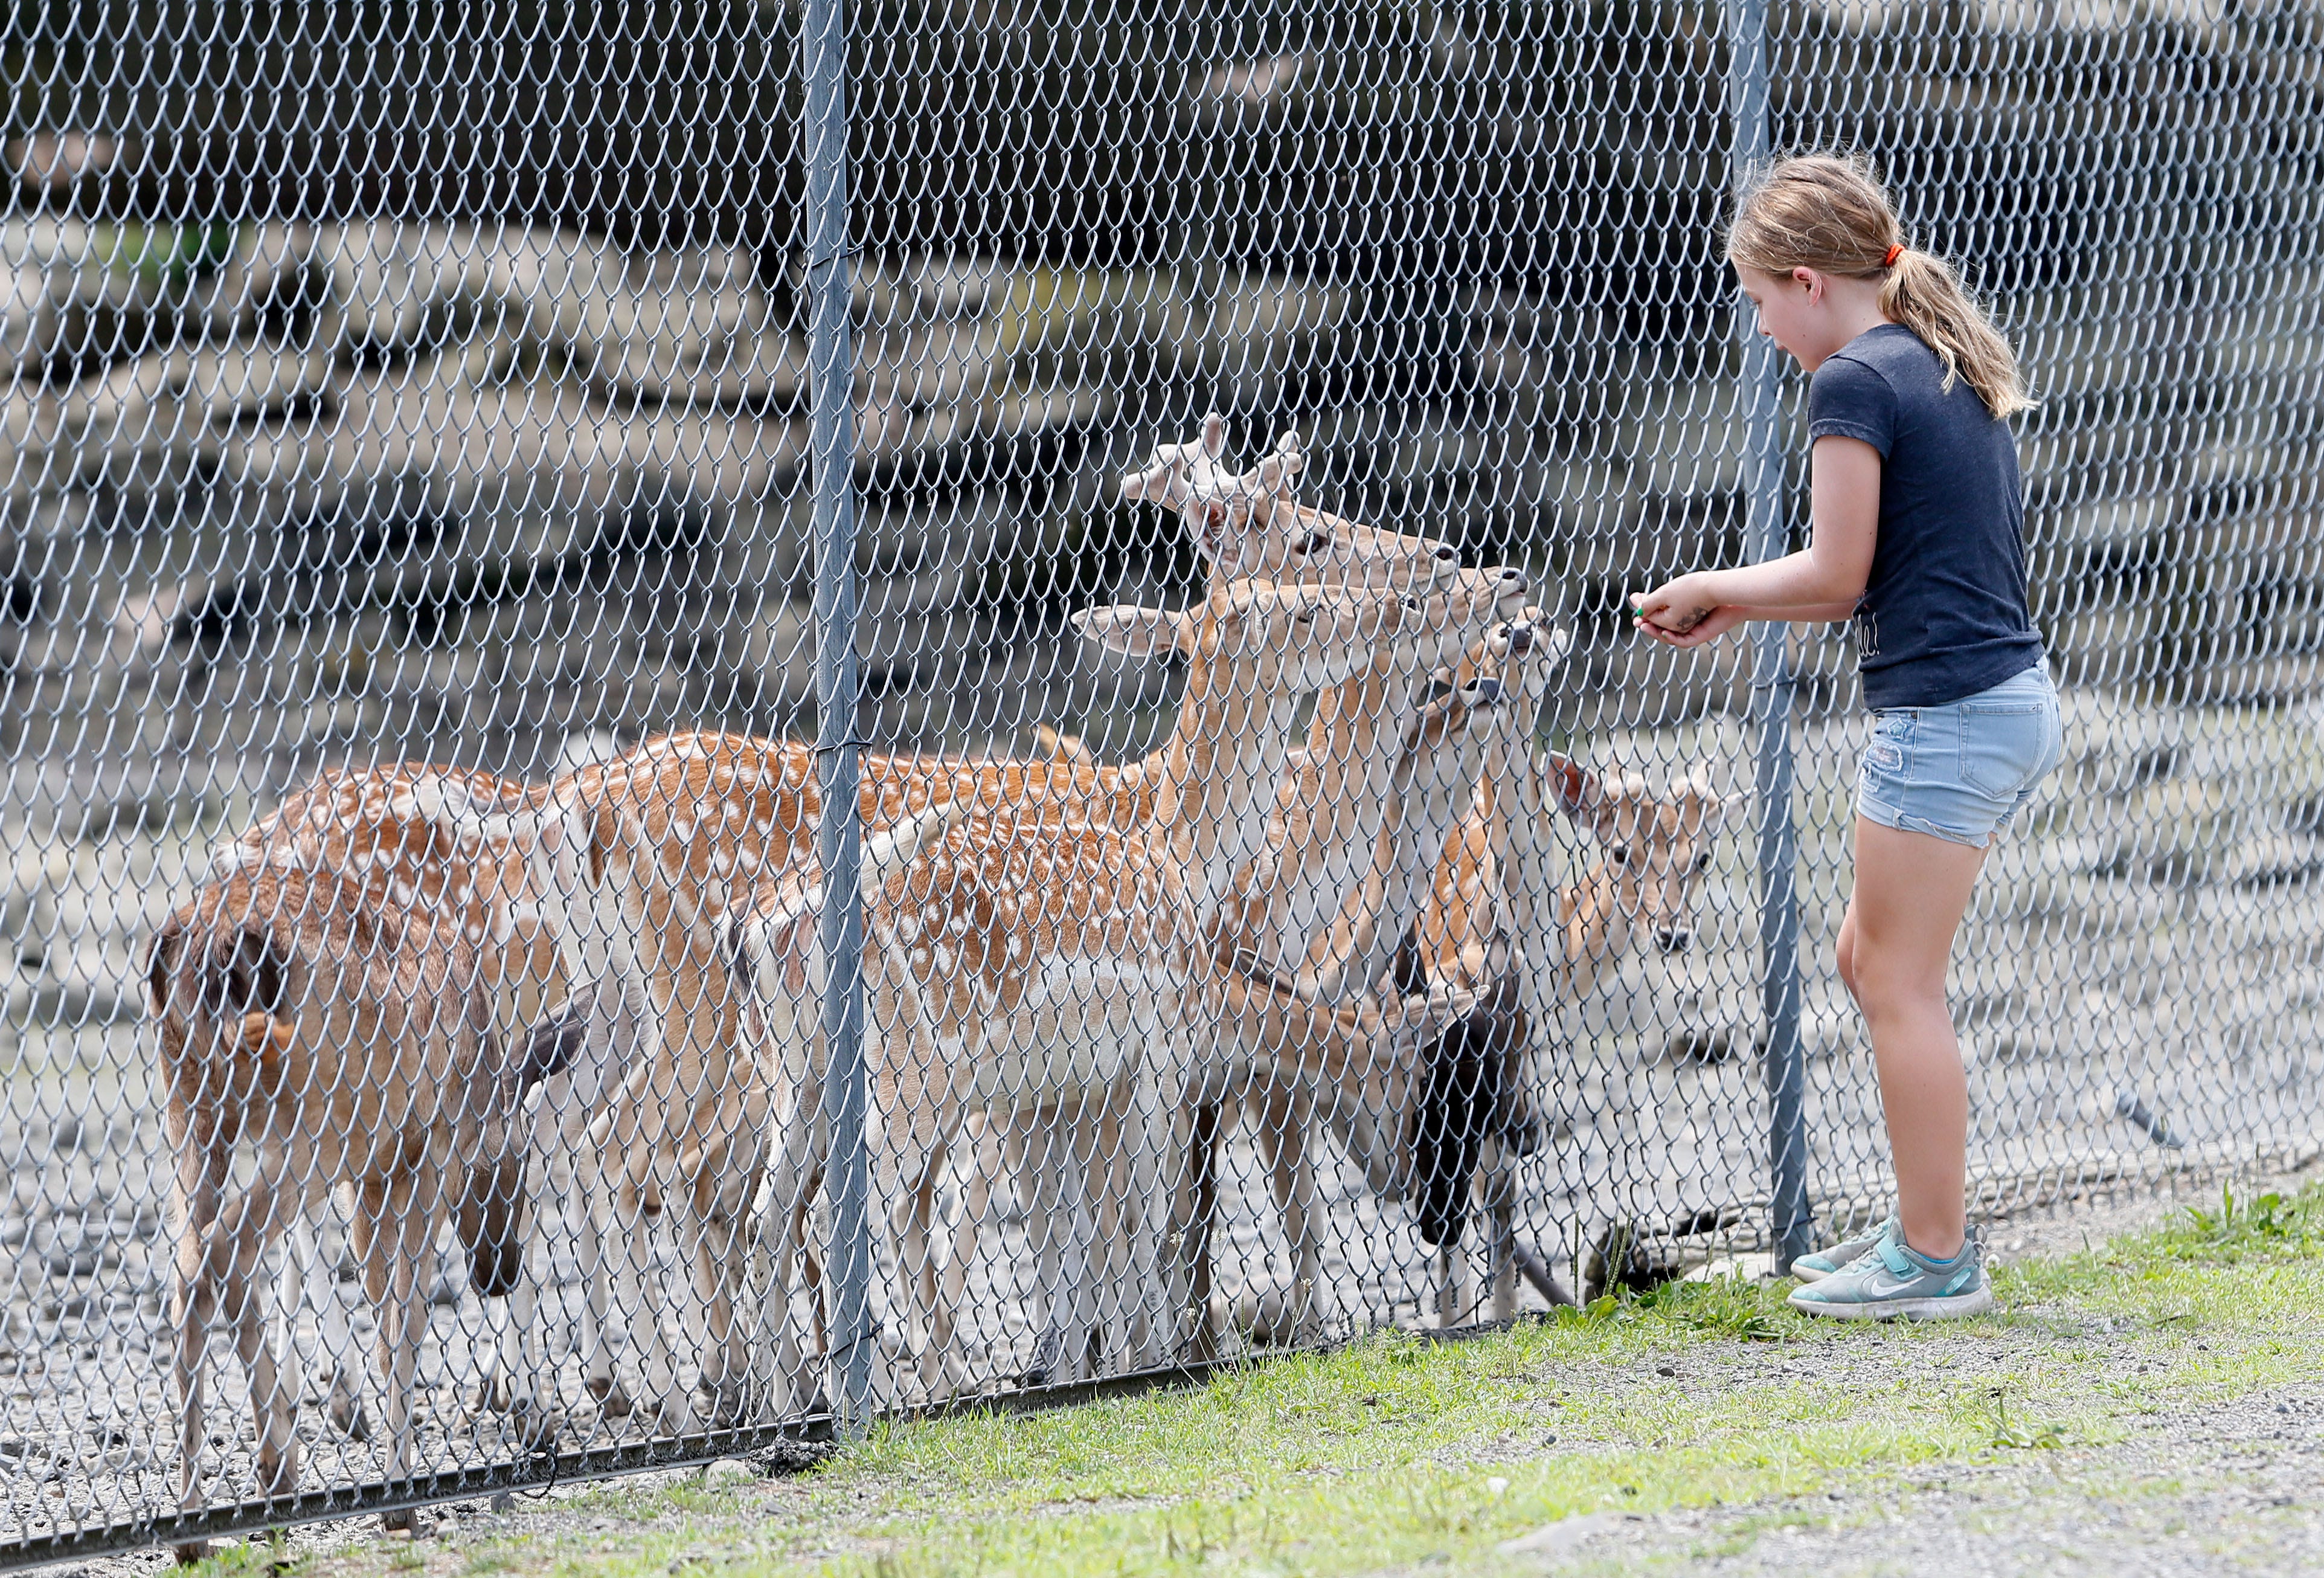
(1178, 474)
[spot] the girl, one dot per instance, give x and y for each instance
(1917, 521)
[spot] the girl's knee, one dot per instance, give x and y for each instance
(1883, 985)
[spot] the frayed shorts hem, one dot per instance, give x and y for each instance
(1872, 810)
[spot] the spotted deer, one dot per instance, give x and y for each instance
(1443, 751)
(1033, 965)
(350, 1045)
(1329, 809)
(1501, 922)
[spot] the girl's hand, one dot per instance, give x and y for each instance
(1709, 628)
(1673, 608)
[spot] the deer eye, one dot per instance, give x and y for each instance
(1306, 617)
(1702, 861)
(1318, 544)
(1619, 855)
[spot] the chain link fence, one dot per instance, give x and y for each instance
(539, 394)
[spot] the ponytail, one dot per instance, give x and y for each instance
(1823, 212)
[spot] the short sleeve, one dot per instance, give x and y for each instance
(1850, 400)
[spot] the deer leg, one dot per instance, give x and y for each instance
(818, 1312)
(985, 1161)
(233, 1254)
(717, 1224)
(1085, 1252)
(912, 1219)
(1135, 1172)
(311, 1281)
(404, 1214)
(950, 1277)
(513, 1386)
(1497, 1188)
(1452, 1303)
(1283, 1145)
(1115, 1287)
(204, 1157)
(1039, 1169)
(590, 1209)
(671, 1410)
(1196, 1209)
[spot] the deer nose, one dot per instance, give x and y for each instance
(1487, 692)
(1674, 939)
(1520, 639)
(1446, 554)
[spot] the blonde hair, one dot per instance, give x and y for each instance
(1827, 213)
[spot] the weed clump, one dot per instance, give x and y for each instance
(2269, 1226)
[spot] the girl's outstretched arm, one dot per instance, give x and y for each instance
(1823, 581)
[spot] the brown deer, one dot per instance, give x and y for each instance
(348, 1044)
(1435, 773)
(365, 827)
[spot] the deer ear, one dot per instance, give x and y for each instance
(1132, 631)
(1579, 795)
(1214, 435)
(1724, 811)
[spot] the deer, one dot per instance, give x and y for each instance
(349, 1046)
(1329, 809)
(365, 826)
(1491, 885)
(1345, 959)
(1443, 753)
(1027, 964)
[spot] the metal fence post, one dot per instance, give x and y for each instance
(823, 66)
(1791, 1227)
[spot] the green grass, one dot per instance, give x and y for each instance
(1395, 1454)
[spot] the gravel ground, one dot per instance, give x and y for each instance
(2233, 1489)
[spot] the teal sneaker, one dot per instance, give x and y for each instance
(1821, 1264)
(1892, 1278)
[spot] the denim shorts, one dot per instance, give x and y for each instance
(1960, 771)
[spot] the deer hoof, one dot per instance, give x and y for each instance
(1279, 1317)
(496, 1394)
(612, 1402)
(674, 1417)
(1048, 1353)
(415, 1521)
(730, 1407)
(278, 1470)
(533, 1427)
(348, 1416)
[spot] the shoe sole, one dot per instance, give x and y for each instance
(1802, 1272)
(1958, 1308)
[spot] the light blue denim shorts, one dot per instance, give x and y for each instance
(1962, 770)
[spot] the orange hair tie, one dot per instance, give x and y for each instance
(1895, 250)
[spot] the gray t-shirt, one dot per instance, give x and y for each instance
(1944, 613)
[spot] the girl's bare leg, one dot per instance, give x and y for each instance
(1910, 891)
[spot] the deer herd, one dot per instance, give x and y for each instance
(1334, 899)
